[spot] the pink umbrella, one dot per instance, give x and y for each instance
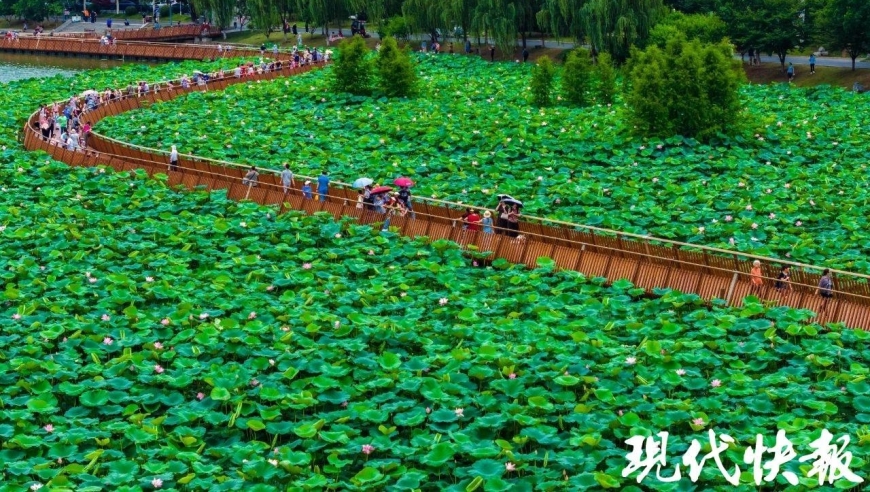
(404, 182)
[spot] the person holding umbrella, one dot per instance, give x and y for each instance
(404, 185)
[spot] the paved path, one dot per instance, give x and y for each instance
(821, 61)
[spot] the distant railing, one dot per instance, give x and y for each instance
(648, 262)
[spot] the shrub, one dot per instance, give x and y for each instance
(397, 76)
(542, 82)
(396, 27)
(606, 75)
(706, 28)
(131, 11)
(353, 69)
(577, 77)
(689, 89)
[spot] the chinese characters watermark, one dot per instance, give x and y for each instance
(829, 458)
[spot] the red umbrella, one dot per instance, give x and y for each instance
(381, 189)
(403, 181)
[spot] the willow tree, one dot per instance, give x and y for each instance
(615, 25)
(460, 13)
(562, 17)
(322, 12)
(220, 11)
(425, 16)
(264, 14)
(505, 20)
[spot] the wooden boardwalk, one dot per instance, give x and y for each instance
(648, 263)
(89, 46)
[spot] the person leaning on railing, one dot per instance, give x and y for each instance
(826, 285)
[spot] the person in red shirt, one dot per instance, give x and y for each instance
(473, 221)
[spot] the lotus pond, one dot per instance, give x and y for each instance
(793, 184)
(156, 339)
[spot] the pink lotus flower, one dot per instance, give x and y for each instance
(88, 274)
(149, 279)
(428, 410)
(698, 421)
(741, 184)
(403, 294)
(107, 341)
(701, 230)
(371, 252)
(16, 316)
(270, 288)
(812, 203)
(459, 412)
(731, 241)
(338, 236)
(158, 345)
(49, 428)
(344, 404)
(271, 362)
(788, 185)
(157, 483)
(655, 180)
(772, 215)
(203, 316)
(443, 301)
(36, 486)
(512, 376)
(243, 224)
(659, 146)
(769, 190)
(164, 321)
(749, 207)
(631, 361)
(252, 315)
(716, 383)
(798, 223)
(200, 396)
(681, 372)
(158, 369)
(367, 449)
(728, 218)
(509, 466)
(273, 462)
(754, 225)
(306, 266)
(92, 280)
(619, 413)
(254, 382)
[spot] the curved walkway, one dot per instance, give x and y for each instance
(649, 263)
(128, 49)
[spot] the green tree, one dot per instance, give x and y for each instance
(36, 10)
(220, 11)
(352, 71)
(606, 75)
(707, 28)
(543, 75)
(615, 25)
(846, 26)
(577, 77)
(689, 89)
(397, 76)
(264, 15)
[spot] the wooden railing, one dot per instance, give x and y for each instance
(649, 263)
(145, 33)
(137, 49)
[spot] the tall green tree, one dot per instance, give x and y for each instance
(36, 10)
(322, 13)
(577, 77)
(707, 28)
(397, 76)
(352, 71)
(689, 89)
(845, 25)
(541, 86)
(221, 12)
(426, 16)
(264, 15)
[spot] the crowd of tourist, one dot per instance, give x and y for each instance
(783, 283)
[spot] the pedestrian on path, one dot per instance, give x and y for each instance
(492, 53)
(487, 222)
(813, 63)
(783, 281)
(755, 275)
(525, 55)
(306, 190)
(790, 72)
(287, 177)
(173, 159)
(250, 178)
(323, 185)
(826, 285)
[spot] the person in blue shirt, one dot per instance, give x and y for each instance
(487, 222)
(790, 72)
(323, 186)
(813, 63)
(306, 190)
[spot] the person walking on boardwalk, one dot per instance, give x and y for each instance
(826, 285)
(755, 277)
(250, 178)
(783, 281)
(173, 159)
(287, 177)
(306, 190)
(323, 185)
(813, 63)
